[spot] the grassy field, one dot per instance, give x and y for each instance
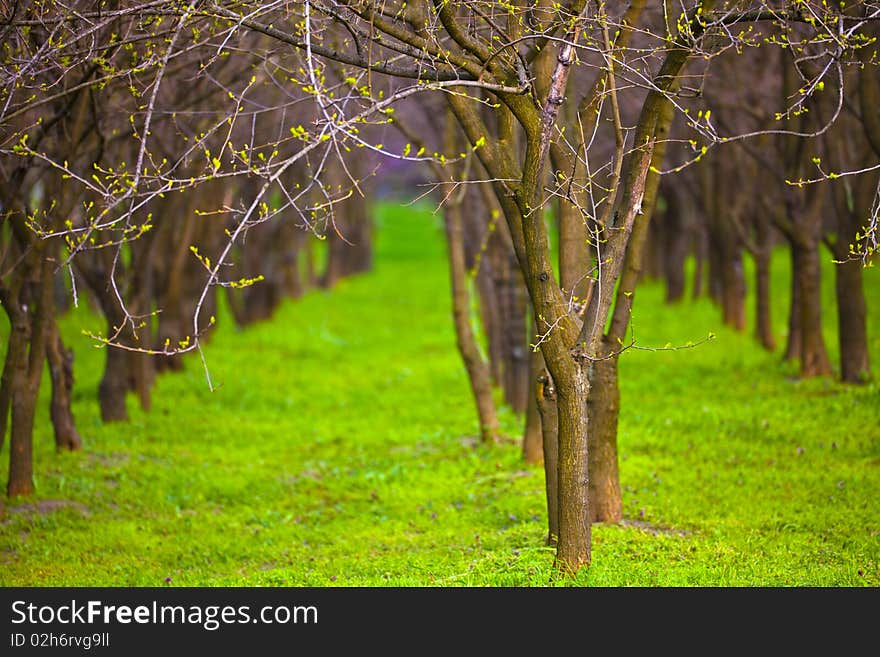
(339, 451)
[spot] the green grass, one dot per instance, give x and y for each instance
(339, 450)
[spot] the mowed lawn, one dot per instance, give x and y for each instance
(339, 450)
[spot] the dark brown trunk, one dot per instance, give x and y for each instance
(21, 468)
(604, 409)
(763, 313)
(855, 365)
(142, 367)
(60, 360)
(113, 388)
(852, 312)
(30, 318)
(170, 327)
(21, 403)
(813, 356)
(142, 375)
(545, 397)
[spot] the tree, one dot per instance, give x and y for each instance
(567, 106)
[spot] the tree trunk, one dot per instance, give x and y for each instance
(574, 547)
(545, 398)
(29, 317)
(490, 318)
(852, 312)
(60, 360)
(675, 238)
(16, 344)
(604, 409)
(113, 388)
(515, 313)
(22, 402)
(813, 356)
(763, 313)
(855, 365)
(733, 288)
(21, 468)
(477, 369)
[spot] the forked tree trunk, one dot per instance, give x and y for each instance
(606, 502)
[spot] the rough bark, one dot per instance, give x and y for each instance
(574, 546)
(606, 502)
(29, 317)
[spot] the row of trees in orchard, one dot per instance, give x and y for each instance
(155, 152)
